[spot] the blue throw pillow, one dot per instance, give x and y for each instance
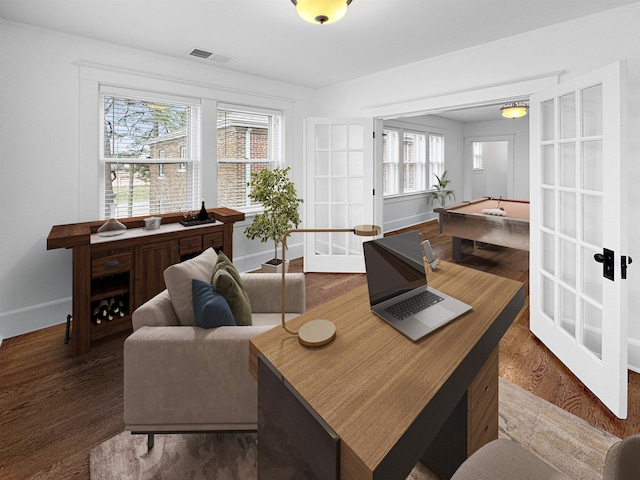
(210, 307)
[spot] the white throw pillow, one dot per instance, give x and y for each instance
(178, 279)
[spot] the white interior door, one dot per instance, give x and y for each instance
(339, 166)
(578, 214)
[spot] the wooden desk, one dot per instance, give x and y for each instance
(130, 267)
(372, 403)
(466, 221)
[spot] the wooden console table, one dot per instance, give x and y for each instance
(130, 266)
(372, 403)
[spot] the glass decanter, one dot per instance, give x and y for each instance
(112, 226)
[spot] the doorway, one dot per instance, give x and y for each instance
(490, 164)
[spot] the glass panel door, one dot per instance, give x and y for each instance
(576, 211)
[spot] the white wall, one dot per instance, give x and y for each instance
(517, 132)
(47, 173)
(515, 66)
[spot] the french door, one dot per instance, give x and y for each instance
(578, 290)
(339, 172)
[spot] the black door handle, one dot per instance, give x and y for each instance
(606, 258)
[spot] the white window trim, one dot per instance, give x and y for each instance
(401, 128)
(92, 76)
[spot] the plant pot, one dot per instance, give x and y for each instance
(275, 266)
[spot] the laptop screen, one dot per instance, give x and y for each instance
(394, 265)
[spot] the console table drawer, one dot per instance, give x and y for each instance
(191, 245)
(215, 240)
(110, 264)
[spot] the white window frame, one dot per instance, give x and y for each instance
(193, 185)
(436, 165)
(476, 152)
(430, 166)
(391, 158)
(276, 148)
(92, 76)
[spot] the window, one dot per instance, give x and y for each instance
(404, 165)
(415, 161)
(150, 153)
(477, 155)
(249, 140)
(436, 158)
(390, 162)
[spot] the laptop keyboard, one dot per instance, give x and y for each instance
(413, 305)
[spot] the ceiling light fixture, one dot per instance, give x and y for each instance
(321, 11)
(514, 110)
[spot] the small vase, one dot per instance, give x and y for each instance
(111, 227)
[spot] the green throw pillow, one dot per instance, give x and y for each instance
(224, 283)
(224, 263)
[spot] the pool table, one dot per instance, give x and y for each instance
(467, 221)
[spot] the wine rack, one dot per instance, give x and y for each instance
(110, 291)
(128, 269)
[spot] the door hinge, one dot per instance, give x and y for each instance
(374, 192)
(625, 261)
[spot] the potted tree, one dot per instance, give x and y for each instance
(277, 194)
(440, 191)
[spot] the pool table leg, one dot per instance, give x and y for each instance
(456, 248)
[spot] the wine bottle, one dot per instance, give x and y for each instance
(110, 309)
(115, 307)
(104, 308)
(121, 308)
(97, 315)
(203, 215)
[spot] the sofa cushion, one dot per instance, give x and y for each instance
(233, 292)
(210, 307)
(178, 278)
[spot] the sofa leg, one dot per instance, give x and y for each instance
(150, 441)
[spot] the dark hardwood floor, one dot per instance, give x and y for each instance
(55, 408)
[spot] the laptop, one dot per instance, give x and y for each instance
(398, 290)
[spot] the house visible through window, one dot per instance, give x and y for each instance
(409, 167)
(249, 140)
(150, 154)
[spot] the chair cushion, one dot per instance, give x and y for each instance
(504, 459)
(178, 278)
(210, 307)
(623, 459)
(235, 295)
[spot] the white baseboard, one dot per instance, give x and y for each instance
(409, 222)
(35, 317)
(634, 355)
(247, 263)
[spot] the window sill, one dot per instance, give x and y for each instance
(404, 197)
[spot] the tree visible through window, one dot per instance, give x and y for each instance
(150, 155)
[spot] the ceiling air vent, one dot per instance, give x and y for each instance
(197, 52)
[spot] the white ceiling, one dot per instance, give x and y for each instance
(266, 37)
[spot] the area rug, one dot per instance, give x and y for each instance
(561, 439)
